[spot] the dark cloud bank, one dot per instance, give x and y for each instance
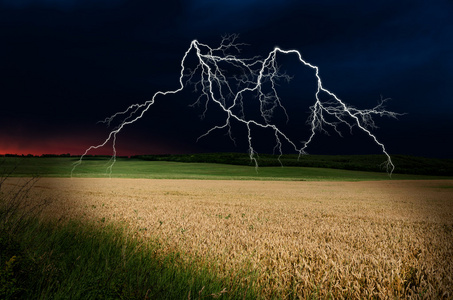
(68, 64)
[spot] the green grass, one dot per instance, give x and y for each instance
(75, 260)
(405, 164)
(133, 168)
(88, 261)
(94, 260)
(80, 259)
(137, 168)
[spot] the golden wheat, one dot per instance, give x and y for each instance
(387, 239)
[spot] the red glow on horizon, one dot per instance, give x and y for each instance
(77, 146)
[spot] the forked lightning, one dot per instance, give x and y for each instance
(253, 78)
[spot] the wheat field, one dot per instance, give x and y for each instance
(382, 239)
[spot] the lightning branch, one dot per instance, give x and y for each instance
(253, 79)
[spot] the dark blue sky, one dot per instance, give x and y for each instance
(67, 64)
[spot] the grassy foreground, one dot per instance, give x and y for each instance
(287, 240)
(57, 259)
(333, 253)
(84, 261)
(138, 168)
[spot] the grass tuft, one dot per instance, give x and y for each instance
(55, 259)
(85, 261)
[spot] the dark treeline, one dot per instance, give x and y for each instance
(404, 164)
(42, 155)
(58, 155)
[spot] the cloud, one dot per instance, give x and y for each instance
(240, 3)
(59, 4)
(234, 15)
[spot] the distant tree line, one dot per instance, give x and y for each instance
(405, 164)
(57, 155)
(17, 155)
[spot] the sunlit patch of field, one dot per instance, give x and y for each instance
(381, 239)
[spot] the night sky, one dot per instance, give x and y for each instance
(66, 64)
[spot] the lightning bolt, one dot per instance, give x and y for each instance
(254, 77)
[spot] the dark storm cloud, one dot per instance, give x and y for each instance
(377, 45)
(60, 4)
(401, 50)
(72, 63)
(212, 17)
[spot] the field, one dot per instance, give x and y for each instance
(290, 239)
(183, 167)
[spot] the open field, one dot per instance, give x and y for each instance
(381, 239)
(137, 168)
(404, 164)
